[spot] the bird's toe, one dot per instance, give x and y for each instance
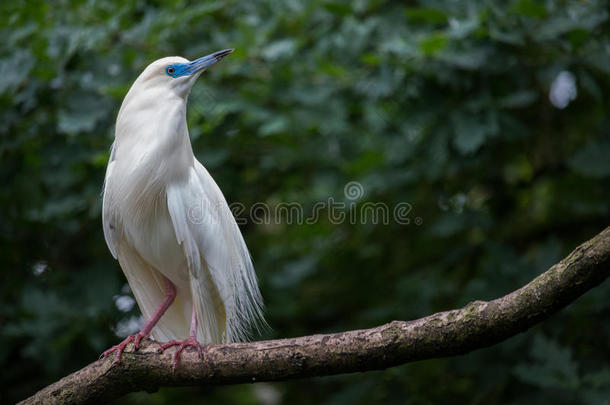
(182, 344)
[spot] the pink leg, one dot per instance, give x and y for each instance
(170, 295)
(182, 344)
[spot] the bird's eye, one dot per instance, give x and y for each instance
(170, 70)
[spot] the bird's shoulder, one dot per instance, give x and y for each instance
(202, 184)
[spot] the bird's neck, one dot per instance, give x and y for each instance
(152, 138)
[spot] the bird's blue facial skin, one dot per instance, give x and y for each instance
(186, 69)
(178, 70)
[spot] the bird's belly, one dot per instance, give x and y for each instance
(154, 238)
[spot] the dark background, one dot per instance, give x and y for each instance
(489, 121)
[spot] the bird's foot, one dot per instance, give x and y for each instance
(121, 346)
(182, 344)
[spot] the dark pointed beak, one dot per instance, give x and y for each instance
(203, 63)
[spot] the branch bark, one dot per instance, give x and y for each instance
(477, 325)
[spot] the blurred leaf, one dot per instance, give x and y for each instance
(284, 48)
(14, 70)
(426, 15)
(592, 160)
(518, 99)
(469, 134)
(553, 366)
(529, 8)
(433, 44)
(340, 9)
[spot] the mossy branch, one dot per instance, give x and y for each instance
(477, 325)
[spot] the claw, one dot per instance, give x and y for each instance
(182, 344)
(136, 342)
(120, 348)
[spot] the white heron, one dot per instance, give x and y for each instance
(168, 223)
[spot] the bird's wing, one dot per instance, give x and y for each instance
(145, 281)
(223, 282)
(108, 210)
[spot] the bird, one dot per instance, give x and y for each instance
(168, 224)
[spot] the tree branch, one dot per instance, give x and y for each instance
(477, 325)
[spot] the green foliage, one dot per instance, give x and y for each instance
(442, 105)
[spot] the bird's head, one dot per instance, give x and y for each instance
(177, 74)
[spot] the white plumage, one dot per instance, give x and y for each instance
(164, 216)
